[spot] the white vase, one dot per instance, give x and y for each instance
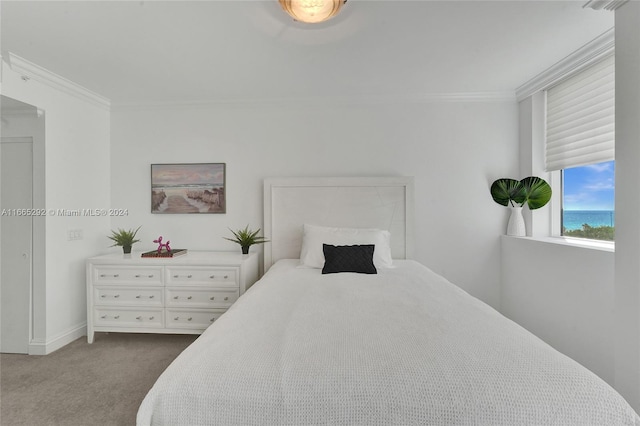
(516, 226)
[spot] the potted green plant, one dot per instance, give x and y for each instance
(246, 238)
(533, 191)
(124, 238)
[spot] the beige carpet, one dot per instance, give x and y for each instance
(85, 385)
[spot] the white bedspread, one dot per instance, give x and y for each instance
(404, 347)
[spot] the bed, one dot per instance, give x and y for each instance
(309, 344)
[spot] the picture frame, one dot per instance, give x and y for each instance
(188, 188)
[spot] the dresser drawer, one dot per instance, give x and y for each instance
(197, 297)
(125, 296)
(181, 295)
(191, 318)
(122, 317)
(118, 275)
(192, 275)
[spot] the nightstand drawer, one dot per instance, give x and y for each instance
(200, 298)
(124, 296)
(152, 318)
(145, 275)
(193, 319)
(187, 275)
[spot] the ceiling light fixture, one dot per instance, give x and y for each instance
(312, 11)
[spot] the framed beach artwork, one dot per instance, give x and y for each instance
(188, 188)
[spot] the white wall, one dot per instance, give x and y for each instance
(627, 265)
(564, 295)
(453, 149)
(586, 302)
(76, 177)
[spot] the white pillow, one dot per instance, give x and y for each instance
(314, 236)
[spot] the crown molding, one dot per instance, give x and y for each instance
(28, 70)
(597, 49)
(323, 101)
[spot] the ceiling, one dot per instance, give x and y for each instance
(137, 52)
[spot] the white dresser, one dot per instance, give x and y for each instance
(185, 294)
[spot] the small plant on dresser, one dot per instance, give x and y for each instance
(246, 238)
(124, 238)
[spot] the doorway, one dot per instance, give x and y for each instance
(16, 227)
(22, 232)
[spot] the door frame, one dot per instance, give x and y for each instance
(19, 119)
(26, 140)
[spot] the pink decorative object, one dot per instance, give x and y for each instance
(161, 244)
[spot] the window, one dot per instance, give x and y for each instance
(580, 142)
(588, 201)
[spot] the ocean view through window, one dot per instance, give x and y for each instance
(588, 201)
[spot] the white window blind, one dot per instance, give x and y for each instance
(581, 118)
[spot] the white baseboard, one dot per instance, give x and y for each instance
(45, 347)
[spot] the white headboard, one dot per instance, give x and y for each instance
(354, 202)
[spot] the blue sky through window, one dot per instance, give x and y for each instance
(589, 187)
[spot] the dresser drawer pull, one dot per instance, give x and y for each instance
(151, 276)
(226, 298)
(116, 317)
(138, 297)
(189, 276)
(176, 276)
(103, 316)
(105, 275)
(151, 318)
(189, 297)
(116, 296)
(175, 297)
(177, 318)
(212, 320)
(151, 297)
(212, 276)
(116, 275)
(137, 275)
(212, 297)
(138, 318)
(103, 296)
(226, 276)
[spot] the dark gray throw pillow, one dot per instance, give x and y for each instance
(357, 258)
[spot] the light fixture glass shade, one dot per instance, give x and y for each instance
(312, 11)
